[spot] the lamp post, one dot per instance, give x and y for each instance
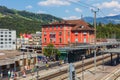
(83, 57)
(23, 61)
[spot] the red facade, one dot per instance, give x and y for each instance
(66, 32)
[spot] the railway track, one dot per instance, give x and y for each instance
(62, 74)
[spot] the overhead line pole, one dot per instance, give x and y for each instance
(95, 38)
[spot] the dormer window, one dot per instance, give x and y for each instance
(81, 26)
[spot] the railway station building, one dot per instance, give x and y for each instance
(67, 32)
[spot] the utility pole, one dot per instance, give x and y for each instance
(95, 11)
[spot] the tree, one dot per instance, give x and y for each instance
(50, 51)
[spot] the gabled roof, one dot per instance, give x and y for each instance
(76, 24)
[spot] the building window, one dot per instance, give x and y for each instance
(56, 27)
(1, 46)
(9, 35)
(76, 39)
(44, 28)
(45, 40)
(1, 32)
(13, 42)
(5, 35)
(61, 27)
(60, 39)
(76, 33)
(1, 39)
(60, 33)
(68, 40)
(5, 32)
(5, 42)
(1, 43)
(9, 39)
(5, 39)
(68, 33)
(51, 40)
(52, 27)
(1, 35)
(9, 45)
(9, 32)
(84, 33)
(44, 33)
(48, 27)
(81, 26)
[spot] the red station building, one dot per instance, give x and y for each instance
(67, 32)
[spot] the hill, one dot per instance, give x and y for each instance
(104, 20)
(23, 21)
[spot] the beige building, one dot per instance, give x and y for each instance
(16, 60)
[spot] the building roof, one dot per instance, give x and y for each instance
(76, 24)
(114, 51)
(79, 25)
(5, 54)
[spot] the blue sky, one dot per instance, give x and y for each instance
(67, 9)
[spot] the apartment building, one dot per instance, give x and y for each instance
(7, 39)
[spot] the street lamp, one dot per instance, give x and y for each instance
(23, 61)
(83, 57)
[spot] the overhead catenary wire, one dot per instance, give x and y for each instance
(88, 6)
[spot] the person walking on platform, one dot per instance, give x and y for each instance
(9, 75)
(24, 73)
(1, 75)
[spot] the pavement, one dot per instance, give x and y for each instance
(42, 68)
(118, 78)
(42, 73)
(100, 73)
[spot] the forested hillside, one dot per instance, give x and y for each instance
(23, 21)
(108, 31)
(27, 22)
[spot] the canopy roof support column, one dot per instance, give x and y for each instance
(111, 58)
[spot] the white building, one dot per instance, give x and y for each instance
(7, 39)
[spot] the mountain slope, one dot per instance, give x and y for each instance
(105, 20)
(23, 21)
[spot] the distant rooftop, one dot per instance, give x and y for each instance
(5, 54)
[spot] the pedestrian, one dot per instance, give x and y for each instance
(24, 74)
(12, 74)
(15, 76)
(9, 74)
(1, 75)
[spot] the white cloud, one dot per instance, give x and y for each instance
(116, 10)
(40, 11)
(53, 2)
(73, 0)
(67, 11)
(111, 14)
(112, 4)
(29, 7)
(71, 17)
(78, 10)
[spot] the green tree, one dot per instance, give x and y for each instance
(50, 51)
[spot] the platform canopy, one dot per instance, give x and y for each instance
(114, 51)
